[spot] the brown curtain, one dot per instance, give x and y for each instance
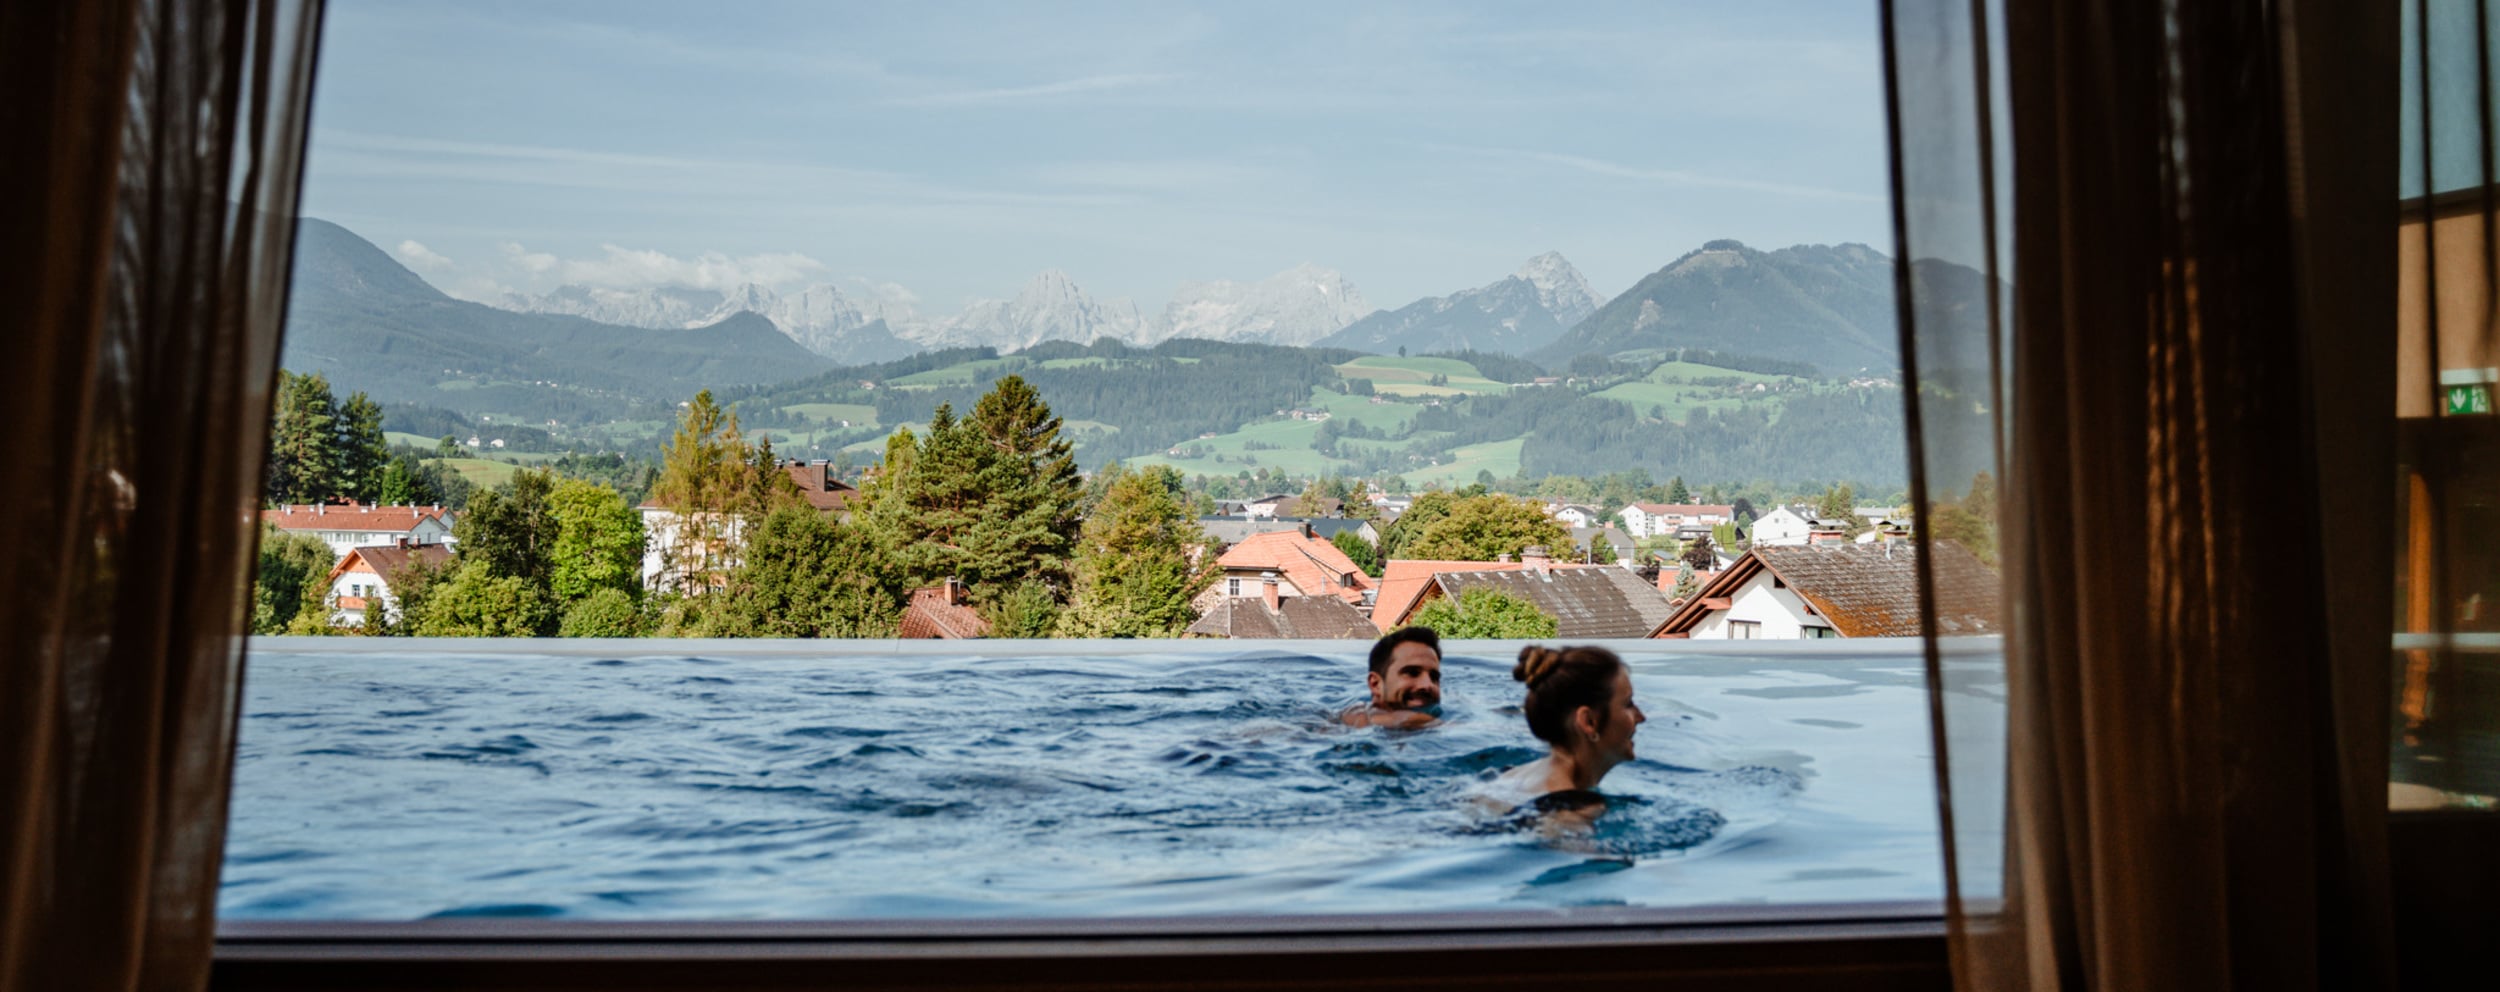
(146, 219)
(2195, 369)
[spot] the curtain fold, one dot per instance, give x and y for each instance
(149, 209)
(2191, 778)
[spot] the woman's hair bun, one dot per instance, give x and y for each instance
(1535, 663)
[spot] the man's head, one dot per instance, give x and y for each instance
(1406, 669)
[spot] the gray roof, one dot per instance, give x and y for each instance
(1295, 618)
(1584, 602)
(1233, 530)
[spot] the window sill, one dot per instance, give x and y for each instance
(1759, 950)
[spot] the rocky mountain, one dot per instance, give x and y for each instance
(367, 322)
(1298, 306)
(1830, 306)
(1518, 314)
(1050, 308)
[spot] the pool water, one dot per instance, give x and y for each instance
(1202, 779)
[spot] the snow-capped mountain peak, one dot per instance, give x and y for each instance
(1560, 288)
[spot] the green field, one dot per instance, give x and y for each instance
(1499, 457)
(479, 471)
(1412, 376)
(958, 374)
(1677, 389)
(397, 438)
(1389, 417)
(1292, 451)
(859, 414)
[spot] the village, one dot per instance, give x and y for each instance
(1468, 560)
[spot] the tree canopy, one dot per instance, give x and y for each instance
(1485, 613)
(1486, 527)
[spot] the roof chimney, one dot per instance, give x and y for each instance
(1503, 557)
(1535, 558)
(1307, 533)
(953, 591)
(1268, 590)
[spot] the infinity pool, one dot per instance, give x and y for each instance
(406, 780)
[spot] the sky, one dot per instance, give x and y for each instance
(945, 152)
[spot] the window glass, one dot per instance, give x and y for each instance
(1158, 359)
(2447, 661)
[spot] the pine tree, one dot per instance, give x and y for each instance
(701, 469)
(804, 574)
(1133, 574)
(362, 449)
(304, 441)
(1677, 494)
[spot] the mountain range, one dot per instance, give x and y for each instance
(361, 318)
(1524, 311)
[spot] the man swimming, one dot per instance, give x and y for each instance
(1405, 681)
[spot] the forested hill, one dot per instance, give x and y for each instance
(1830, 306)
(369, 324)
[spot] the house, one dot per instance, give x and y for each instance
(1781, 527)
(354, 525)
(1575, 515)
(1585, 601)
(941, 612)
(1403, 582)
(1659, 519)
(366, 574)
(1273, 615)
(816, 482)
(1266, 506)
(1303, 564)
(1845, 590)
(1614, 537)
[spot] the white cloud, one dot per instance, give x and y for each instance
(421, 258)
(618, 267)
(534, 263)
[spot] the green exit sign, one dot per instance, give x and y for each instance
(2469, 399)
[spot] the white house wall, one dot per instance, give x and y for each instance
(1781, 613)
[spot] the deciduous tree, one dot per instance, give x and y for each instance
(1133, 571)
(1484, 528)
(598, 542)
(1485, 613)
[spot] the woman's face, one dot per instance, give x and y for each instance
(1623, 716)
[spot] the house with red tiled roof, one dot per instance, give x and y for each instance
(941, 612)
(1270, 616)
(366, 575)
(1302, 564)
(1838, 590)
(348, 526)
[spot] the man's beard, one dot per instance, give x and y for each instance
(1417, 699)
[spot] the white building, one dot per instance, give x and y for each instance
(1781, 527)
(1645, 520)
(1792, 592)
(1575, 514)
(351, 526)
(366, 574)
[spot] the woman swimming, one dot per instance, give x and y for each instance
(1580, 704)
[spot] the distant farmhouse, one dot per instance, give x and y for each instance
(353, 525)
(1786, 592)
(660, 525)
